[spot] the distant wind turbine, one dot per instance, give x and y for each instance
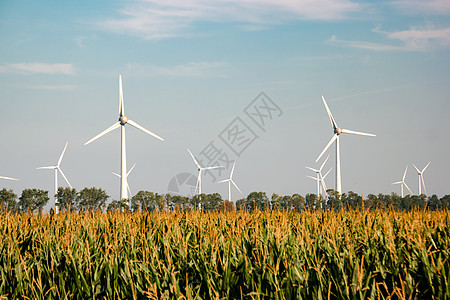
(57, 168)
(123, 120)
(318, 174)
(403, 183)
(337, 132)
(200, 170)
(128, 186)
(230, 181)
(421, 181)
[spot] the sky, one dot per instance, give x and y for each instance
(232, 81)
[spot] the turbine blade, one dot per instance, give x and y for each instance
(129, 190)
(195, 161)
(416, 168)
(225, 180)
(312, 169)
(8, 178)
(111, 128)
(47, 168)
(121, 105)
(62, 154)
(426, 167)
(357, 132)
(131, 169)
(397, 182)
(232, 170)
(198, 181)
(323, 164)
(65, 178)
(210, 168)
(404, 174)
(424, 186)
(333, 122)
(315, 178)
(327, 146)
(116, 174)
(136, 125)
(326, 174)
(235, 185)
(407, 187)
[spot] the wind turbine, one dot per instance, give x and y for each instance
(403, 183)
(57, 168)
(318, 174)
(128, 186)
(8, 178)
(337, 133)
(230, 181)
(200, 170)
(420, 173)
(123, 120)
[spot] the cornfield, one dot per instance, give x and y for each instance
(240, 255)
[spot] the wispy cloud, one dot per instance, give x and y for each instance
(192, 69)
(414, 39)
(437, 7)
(153, 19)
(37, 68)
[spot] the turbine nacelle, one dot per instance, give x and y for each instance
(337, 130)
(123, 120)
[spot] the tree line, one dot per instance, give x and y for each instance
(88, 199)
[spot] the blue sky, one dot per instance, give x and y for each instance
(191, 67)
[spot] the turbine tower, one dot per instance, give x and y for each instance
(200, 170)
(337, 132)
(421, 181)
(123, 120)
(318, 174)
(230, 181)
(128, 186)
(57, 168)
(403, 183)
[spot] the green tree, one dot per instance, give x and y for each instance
(33, 200)
(146, 201)
(118, 205)
(67, 199)
(297, 202)
(211, 202)
(311, 201)
(334, 200)
(8, 200)
(241, 204)
(257, 200)
(91, 199)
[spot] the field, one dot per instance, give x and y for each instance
(271, 255)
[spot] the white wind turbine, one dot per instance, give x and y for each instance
(402, 182)
(230, 181)
(337, 132)
(323, 186)
(421, 181)
(123, 120)
(128, 186)
(318, 174)
(200, 170)
(57, 168)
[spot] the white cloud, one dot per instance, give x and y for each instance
(37, 68)
(438, 7)
(153, 19)
(365, 45)
(414, 39)
(192, 69)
